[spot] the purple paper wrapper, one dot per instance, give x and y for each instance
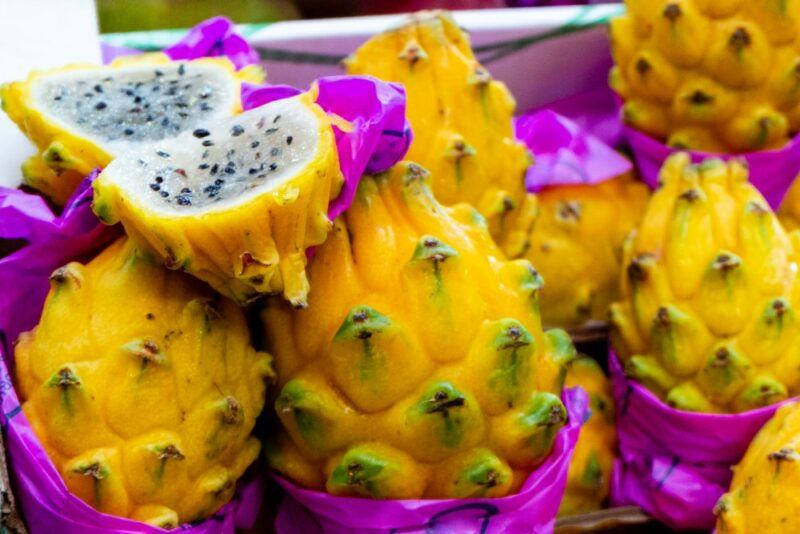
(211, 38)
(379, 135)
(675, 464)
(565, 153)
(53, 241)
(532, 510)
(771, 172)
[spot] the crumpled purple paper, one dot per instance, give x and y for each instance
(675, 464)
(542, 3)
(771, 172)
(24, 276)
(532, 510)
(564, 153)
(380, 134)
(211, 38)
(214, 37)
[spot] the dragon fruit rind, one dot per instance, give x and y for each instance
(769, 470)
(142, 387)
(81, 116)
(589, 477)
(235, 202)
(719, 76)
(461, 117)
(420, 367)
(709, 289)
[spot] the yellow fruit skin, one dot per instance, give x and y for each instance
(576, 245)
(789, 212)
(763, 494)
(77, 155)
(405, 287)
(461, 118)
(142, 387)
(589, 475)
(247, 251)
(708, 293)
(718, 76)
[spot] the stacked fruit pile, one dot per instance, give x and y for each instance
(416, 353)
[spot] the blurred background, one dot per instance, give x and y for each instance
(133, 15)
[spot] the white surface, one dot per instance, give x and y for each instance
(37, 34)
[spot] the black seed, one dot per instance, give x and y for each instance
(165, 121)
(159, 74)
(135, 110)
(237, 131)
(57, 98)
(205, 107)
(187, 86)
(159, 179)
(129, 92)
(181, 105)
(219, 181)
(164, 194)
(230, 170)
(276, 119)
(289, 140)
(183, 200)
(183, 115)
(100, 106)
(155, 187)
(173, 82)
(128, 131)
(186, 190)
(203, 166)
(182, 69)
(200, 133)
(252, 170)
(215, 168)
(137, 100)
(156, 88)
(254, 144)
(230, 153)
(88, 95)
(274, 152)
(162, 153)
(208, 142)
(98, 88)
(270, 131)
(204, 94)
(261, 176)
(273, 166)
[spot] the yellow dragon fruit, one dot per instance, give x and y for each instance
(770, 470)
(714, 75)
(707, 317)
(590, 468)
(236, 202)
(576, 245)
(81, 116)
(142, 387)
(420, 367)
(461, 118)
(789, 212)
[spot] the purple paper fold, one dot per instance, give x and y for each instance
(771, 172)
(53, 241)
(675, 464)
(212, 38)
(564, 153)
(376, 110)
(532, 510)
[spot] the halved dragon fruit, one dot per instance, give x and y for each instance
(81, 116)
(235, 202)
